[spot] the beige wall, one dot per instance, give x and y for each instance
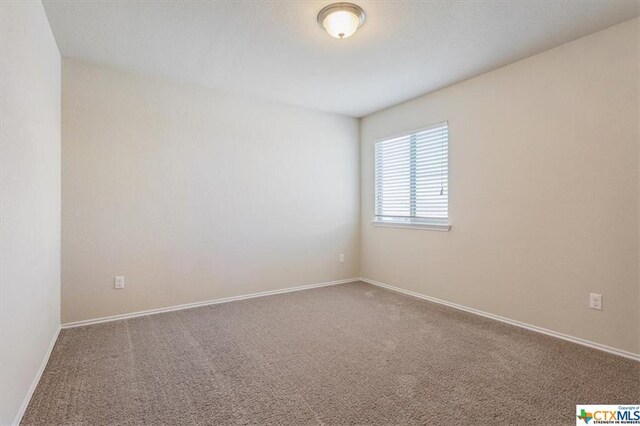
(543, 192)
(30, 199)
(194, 195)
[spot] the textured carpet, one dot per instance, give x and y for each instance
(346, 354)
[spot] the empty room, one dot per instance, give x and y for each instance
(317, 213)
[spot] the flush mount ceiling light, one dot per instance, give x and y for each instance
(341, 20)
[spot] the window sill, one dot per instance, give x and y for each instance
(413, 225)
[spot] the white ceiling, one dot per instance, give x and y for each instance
(275, 50)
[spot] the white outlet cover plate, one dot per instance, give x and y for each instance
(119, 282)
(595, 301)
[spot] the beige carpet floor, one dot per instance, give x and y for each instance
(346, 354)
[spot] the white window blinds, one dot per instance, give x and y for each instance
(411, 177)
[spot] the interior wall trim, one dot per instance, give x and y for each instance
(558, 335)
(36, 379)
(204, 303)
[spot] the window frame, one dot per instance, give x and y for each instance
(432, 224)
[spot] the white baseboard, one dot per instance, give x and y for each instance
(520, 324)
(204, 303)
(36, 380)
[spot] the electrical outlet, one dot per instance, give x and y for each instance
(118, 282)
(595, 301)
(341, 257)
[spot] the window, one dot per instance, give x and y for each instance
(411, 181)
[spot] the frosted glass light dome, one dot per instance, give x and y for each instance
(341, 20)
